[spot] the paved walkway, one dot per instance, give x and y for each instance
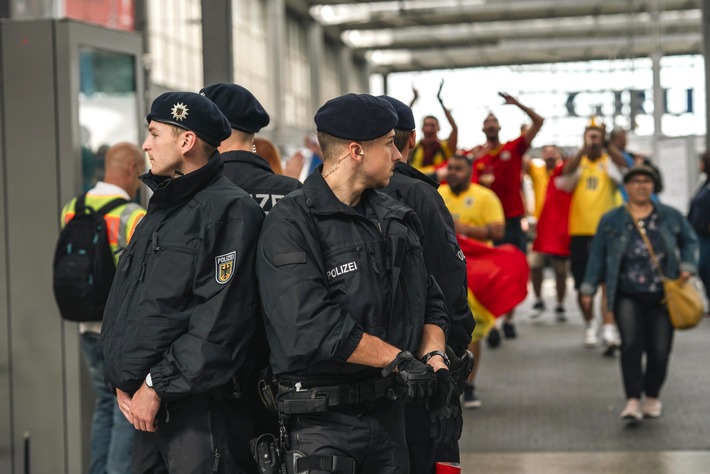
(551, 406)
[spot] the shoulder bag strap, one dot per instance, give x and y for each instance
(642, 232)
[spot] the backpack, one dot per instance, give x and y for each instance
(83, 263)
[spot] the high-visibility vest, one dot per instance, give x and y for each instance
(120, 222)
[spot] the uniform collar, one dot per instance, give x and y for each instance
(174, 190)
(407, 170)
(241, 156)
(321, 199)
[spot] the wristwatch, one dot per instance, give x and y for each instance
(149, 380)
(431, 354)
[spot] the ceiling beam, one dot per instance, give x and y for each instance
(452, 13)
(529, 52)
(477, 35)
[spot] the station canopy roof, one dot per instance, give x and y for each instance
(421, 35)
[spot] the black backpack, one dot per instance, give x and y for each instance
(83, 263)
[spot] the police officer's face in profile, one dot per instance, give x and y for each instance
(379, 159)
(162, 144)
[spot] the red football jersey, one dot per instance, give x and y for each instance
(506, 165)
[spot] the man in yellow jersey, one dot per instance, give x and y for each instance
(430, 153)
(478, 214)
(540, 172)
(598, 170)
(111, 433)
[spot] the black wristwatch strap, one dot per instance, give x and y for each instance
(431, 354)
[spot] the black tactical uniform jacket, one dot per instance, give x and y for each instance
(327, 274)
(184, 300)
(253, 174)
(442, 255)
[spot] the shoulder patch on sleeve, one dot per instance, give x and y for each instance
(224, 267)
(289, 258)
(451, 237)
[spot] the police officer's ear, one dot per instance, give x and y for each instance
(188, 140)
(356, 150)
(412, 141)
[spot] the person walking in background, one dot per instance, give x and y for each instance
(552, 203)
(597, 173)
(620, 259)
(503, 164)
(699, 217)
(111, 433)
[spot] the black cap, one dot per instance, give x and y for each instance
(404, 114)
(193, 112)
(641, 170)
(241, 108)
(358, 117)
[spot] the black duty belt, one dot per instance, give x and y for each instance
(294, 399)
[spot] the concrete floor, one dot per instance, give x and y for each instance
(551, 406)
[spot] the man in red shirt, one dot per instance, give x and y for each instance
(500, 167)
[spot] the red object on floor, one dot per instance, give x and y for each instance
(447, 468)
(497, 276)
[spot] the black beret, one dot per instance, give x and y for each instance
(358, 117)
(193, 112)
(641, 169)
(241, 108)
(404, 114)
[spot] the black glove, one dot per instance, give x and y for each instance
(459, 367)
(445, 414)
(415, 376)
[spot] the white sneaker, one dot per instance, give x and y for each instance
(611, 338)
(590, 335)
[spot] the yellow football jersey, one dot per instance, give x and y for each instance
(593, 196)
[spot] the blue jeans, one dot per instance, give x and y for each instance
(645, 327)
(111, 433)
(704, 263)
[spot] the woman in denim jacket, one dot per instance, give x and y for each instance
(619, 258)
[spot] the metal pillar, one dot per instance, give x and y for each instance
(217, 57)
(658, 96)
(345, 57)
(706, 52)
(276, 13)
(316, 52)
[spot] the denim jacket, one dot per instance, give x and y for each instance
(613, 235)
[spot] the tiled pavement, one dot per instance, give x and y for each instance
(551, 406)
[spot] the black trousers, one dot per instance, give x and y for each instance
(196, 434)
(423, 451)
(374, 438)
(644, 327)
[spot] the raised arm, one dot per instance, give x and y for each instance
(453, 139)
(537, 120)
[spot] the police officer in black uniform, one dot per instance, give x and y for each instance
(347, 300)
(445, 261)
(183, 304)
(245, 168)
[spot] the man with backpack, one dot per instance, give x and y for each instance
(108, 200)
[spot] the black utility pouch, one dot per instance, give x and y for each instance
(266, 453)
(303, 401)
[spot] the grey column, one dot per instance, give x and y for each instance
(706, 52)
(345, 57)
(217, 58)
(656, 55)
(276, 28)
(316, 52)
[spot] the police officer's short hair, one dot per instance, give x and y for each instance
(401, 137)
